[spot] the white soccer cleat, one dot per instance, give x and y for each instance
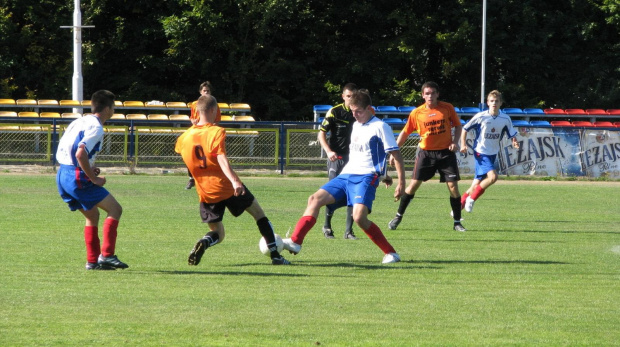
(391, 258)
(469, 204)
(291, 246)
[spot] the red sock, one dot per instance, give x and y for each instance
(477, 192)
(376, 236)
(463, 199)
(304, 225)
(93, 247)
(109, 236)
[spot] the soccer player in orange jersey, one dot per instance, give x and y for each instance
(434, 121)
(203, 148)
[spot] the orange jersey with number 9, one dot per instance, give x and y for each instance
(199, 146)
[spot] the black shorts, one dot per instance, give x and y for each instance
(334, 168)
(429, 162)
(213, 213)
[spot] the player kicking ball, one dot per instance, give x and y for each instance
(490, 127)
(203, 148)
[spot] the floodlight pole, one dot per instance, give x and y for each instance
(484, 44)
(78, 81)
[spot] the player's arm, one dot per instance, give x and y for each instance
(463, 145)
(400, 171)
(222, 159)
(82, 158)
(454, 146)
(322, 137)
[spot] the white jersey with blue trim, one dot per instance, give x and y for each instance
(489, 131)
(86, 130)
(370, 144)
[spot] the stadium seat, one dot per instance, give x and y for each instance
(7, 102)
(243, 119)
(554, 111)
(574, 111)
(520, 123)
(539, 123)
(28, 115)
(157, 117)
(560, 123)
(581, 123)
(49, 115)
(118, 103)
(463, 122)
(393, 121)
(176, 104)
(512, 110)
(26, 102)
(227, 118)
(321, 108)
(133, 104)
(86, 103)
(533, 111)
(8, 114)
(406, 109)
(239, 107)
(604, 124)
(617, 124)
(321, 119)
(118, 116)
(154, 103)
(596, 111)
(135, 116)
(70, 103)
(224, 107)
(380, 109)
(179, 117)
(70, 115)
(457, 110)
(49, 102)
(470, 109)
(614, 111)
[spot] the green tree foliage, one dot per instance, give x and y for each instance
(283, 56)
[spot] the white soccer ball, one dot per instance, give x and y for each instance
(262, 245)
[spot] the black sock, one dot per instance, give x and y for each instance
(265, 228)
(455, 203)
(349, 226)
(212, 238)
(328, 218)
(404, 202)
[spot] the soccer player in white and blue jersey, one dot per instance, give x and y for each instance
(81, 187)
(371, 142)
(490, 127)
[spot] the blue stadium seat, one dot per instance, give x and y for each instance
(458, 110)
(520, 123)
(512, 110)
(463, 122)
(392, 120)
(407, 109)
(320, 120)
(539, 123)
(533, 111)
(322, 108)
(380, 109)
(470, 109)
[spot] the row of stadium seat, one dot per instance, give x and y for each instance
(131, 116)
(511, 110)
(565, 123)
(70, 103)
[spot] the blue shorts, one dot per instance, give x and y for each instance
(349, 190)
(484, 164)
(76, 189)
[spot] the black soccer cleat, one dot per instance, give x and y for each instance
(191, 183)
(459, 227)
(328, 232)
(196, 254)
(393, 224)
(110, 263)
(350, 235)
(96, 266)
(280, 261)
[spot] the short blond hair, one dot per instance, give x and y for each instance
(497, 94)
(206, 105)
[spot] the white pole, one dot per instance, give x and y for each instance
(484, 44)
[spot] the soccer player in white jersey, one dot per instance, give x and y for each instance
(81, 187)
(371, 142)
(490, 126)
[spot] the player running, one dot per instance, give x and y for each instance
(203, 148)
(81, 187)
(490, 126)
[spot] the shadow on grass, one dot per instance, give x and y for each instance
(529, 262)
(230, 273)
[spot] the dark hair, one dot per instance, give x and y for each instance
(430, 84)
(361, 98)
(350, 86)
(100, 100)
(206, 84)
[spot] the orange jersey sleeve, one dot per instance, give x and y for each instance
(199, 146)
(434, 125)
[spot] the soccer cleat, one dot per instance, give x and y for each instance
(469, 204)
(393, 224)
(452, 215)
(190, 183)
(196, 254)
(280, 261)
(459, 227)
(328, 232)
(350, 235)
(291, 246)
(391, 258)
(111, 262)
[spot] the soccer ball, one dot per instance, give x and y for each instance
(262, 245)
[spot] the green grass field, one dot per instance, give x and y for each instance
(539, 265)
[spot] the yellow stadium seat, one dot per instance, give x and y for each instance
(85, 102)
(154, 103)
(70, 115)
(70, 103)
(30, 127)
(178, 117)
(9, 127)
(26, 102)
(7, 102)
(8, 114)
(223, 106)
(226, 118)
(244, 119)
(49, 115)
(133, 104)
(135, 116)
(118, 116)
(239, 106)
(28, 115)
(161, 130)
(176, 104)
(118, 103)
(157, 117)
(48, 102)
